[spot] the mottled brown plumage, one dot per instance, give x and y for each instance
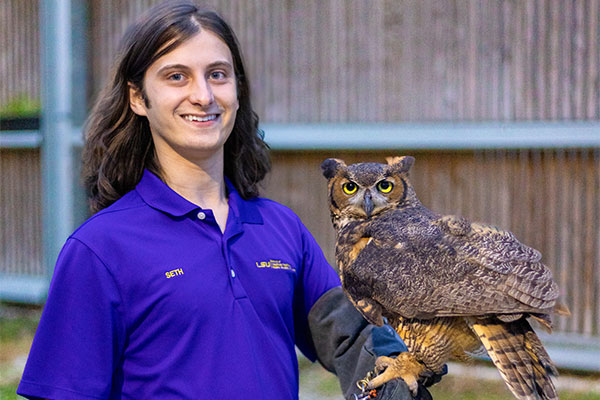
(449, 287)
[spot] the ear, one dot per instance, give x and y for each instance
(136, 100)
(331, 166)
(400, 164)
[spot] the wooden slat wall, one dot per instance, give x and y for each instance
(384, 61)
(549, 199)
(372, 60)
(411, 60)
(19, 50)
(20, 213)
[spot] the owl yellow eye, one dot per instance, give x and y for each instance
(385, 186)
(349, 187)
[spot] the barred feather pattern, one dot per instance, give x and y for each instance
(519, 356)
(437, 340)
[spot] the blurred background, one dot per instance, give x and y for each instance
(498, 100)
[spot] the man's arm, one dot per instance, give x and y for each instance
(348, 345)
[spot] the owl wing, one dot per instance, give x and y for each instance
(453, 268)
(506, 264)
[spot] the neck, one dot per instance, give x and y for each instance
(201, 183)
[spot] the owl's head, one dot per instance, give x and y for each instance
(365, 190)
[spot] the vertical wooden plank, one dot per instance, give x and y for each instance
(3, 53)
(508, 61)
(519, 47)
(592, 77)
(297, 53)
(4, 212)
(378, 50)
(495, 62)
(566, 60)
(595, 222)
(337, 63)
(460, 62)
(579, 60)
(477, 211)
(538, 216)
(528, 59)
(587, 241)
(574, 203)
(490, 192)
(551, 254)
(310, 60)
(540, 70)
(10, 65)
(473, 53)
(554, 62)
(563, 182)
(448, 59)
(351, 68)
(277, 59)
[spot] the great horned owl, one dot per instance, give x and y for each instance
(448, 286)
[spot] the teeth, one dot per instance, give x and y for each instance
(200, 119)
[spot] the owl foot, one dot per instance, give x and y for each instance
(405, 366)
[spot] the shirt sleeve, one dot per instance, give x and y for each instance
(79, 340)
(317, 278)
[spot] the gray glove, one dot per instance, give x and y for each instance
(347, 345)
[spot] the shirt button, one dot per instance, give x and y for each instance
(232, 273)
(201, 215)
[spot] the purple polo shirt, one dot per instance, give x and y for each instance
(149, 300)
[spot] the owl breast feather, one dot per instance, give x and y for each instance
(405, 266)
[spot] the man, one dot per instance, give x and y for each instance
(185, 284)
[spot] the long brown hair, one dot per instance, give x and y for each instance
(118, 143)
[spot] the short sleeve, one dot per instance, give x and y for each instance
(79, 340)
(317, 278)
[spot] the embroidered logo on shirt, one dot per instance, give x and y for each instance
(275, 264)
(175, 272)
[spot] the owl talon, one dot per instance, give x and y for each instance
(381, 363)
(405, 367)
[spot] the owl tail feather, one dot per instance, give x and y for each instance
(519, 356)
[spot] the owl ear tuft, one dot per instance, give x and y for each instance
(331, 166)
(401, 164)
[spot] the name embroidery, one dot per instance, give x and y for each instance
(175, 272)
(275, 264)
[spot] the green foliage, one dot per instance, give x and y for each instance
(13, 329)
(578, 396)
(21, 106)
(8, 391)
(465, 388)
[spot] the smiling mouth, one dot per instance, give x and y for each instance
(197, 118)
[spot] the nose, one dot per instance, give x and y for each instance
(368, 203)
(201, 93)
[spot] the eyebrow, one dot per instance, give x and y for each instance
(168, 67)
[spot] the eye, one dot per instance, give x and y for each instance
(218, 75)
(349, 187)
(176, 77)
(385, 186)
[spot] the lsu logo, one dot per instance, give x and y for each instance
(175, 272)
(275, 264)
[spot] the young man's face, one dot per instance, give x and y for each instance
(191, 97)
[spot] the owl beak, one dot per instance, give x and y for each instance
(368, 203)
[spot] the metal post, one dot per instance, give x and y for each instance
(56, 127)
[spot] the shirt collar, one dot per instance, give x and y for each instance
(246, 209)
(160, 196)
